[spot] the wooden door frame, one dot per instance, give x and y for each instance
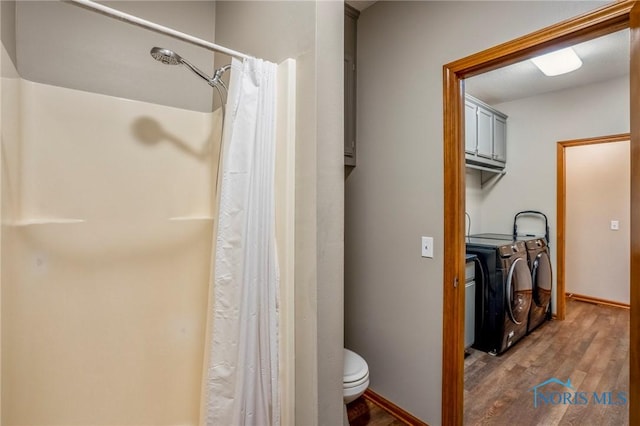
(602, 21)
(561, 209)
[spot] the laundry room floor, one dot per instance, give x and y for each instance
(590, 348)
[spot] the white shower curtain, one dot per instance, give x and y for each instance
(242, 375)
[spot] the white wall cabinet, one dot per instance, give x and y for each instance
(500, 138)
(485, 134)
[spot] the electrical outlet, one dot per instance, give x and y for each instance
(427, 247)
(615, 225)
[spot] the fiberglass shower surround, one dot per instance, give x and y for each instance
(242, 373)
(139, 327)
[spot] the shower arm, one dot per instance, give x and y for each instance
(217, 76)
(212, 81)
(196, 70)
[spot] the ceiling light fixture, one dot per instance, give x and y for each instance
(558, 62)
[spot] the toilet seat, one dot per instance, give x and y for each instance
(356, 383)
(355, 378)
(356, 370)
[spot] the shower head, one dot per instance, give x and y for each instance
(169, 57)
(166, 56)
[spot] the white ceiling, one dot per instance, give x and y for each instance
(603, 58)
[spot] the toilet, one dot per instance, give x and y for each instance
(356, 376)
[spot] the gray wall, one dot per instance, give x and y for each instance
(311, 33)
(65, 45)
(330, 210)
(393, 297)
(8, 28)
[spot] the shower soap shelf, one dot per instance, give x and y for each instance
(186, 218)
(31, 222)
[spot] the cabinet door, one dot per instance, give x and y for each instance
(470, 130)
(349, 111)
(485, 133)
(499, 139)
(350, 54)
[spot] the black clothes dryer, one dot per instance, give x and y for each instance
(541, 279)
(541, 275)
(503, 294)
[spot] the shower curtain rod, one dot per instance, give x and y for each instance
(131, 19)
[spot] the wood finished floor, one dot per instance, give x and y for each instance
(591, 347)
(363, 412)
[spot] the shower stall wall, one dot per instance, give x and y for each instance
(106, 258)
(106, 242)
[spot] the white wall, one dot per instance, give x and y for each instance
(311, 33)
(597, 192)
(534, 127)
(474, 198)
(393, 297)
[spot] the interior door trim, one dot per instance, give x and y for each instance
(602, 21)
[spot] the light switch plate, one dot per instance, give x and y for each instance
(427, 247)
(615, 225)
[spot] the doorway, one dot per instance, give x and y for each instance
(591, 25)
(608, 200)
(540, 110)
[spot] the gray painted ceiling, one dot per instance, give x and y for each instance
(603, 58)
